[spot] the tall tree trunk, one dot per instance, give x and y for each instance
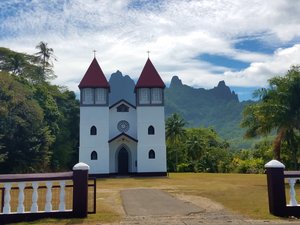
(293, 145)
(277, 144)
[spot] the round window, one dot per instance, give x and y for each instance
(123, 126)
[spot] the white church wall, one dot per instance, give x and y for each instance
(151, 116)
(98, 117)
(158, 164)
(115, 117)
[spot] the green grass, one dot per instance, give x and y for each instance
(245, 194)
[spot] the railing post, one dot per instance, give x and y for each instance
(80, 190)
(276, 187)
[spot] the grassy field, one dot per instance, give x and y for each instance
(245, 194)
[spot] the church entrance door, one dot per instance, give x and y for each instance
(123, 161)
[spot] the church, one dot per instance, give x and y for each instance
(121, 138)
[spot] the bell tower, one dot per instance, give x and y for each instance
(151, 149)
(94, 120)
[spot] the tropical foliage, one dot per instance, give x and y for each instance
(278, 112)
(38, 121)
(195, 149)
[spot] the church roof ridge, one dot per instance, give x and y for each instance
(94, 77)
(120, 135)
(149, 77)
(122, 100)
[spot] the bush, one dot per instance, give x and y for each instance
(185, 167)
(252, 165)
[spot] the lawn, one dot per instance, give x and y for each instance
(245, 194)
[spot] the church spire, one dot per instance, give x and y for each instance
(94, 77)
(149, 77)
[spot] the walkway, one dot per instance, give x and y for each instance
(156, 207)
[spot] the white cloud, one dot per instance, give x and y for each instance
(175, 32)
(258, 73)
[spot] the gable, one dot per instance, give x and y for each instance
(122, 104)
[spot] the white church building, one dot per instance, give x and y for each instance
(118, 137)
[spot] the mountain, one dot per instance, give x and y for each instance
(121, 87)
(218, 107)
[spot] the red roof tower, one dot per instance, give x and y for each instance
(94, 77)
(149, 77)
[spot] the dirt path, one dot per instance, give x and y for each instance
(157, 207)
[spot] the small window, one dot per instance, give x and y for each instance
(122, 108)
(100, 96)
(144, 95)
(94, 155)
(93, 130)
(151, 130)
(87, 96)
(156, 96)
(151, 154)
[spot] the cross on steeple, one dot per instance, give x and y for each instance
(148, 53)
(94, 53)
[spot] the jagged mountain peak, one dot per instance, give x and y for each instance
(175, 81)
(121, 87)
(221, 83)
(222, 91)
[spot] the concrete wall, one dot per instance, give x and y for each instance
(151, 116)
(97, 116)
(115, 117)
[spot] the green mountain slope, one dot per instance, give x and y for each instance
(218, 108)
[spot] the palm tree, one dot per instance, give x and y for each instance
(278, 109)
(195, 149)
(175, 132)
(45, 55)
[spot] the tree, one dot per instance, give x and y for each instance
(195, 147)
(175, 132)
(22, 65)
(278, 110)
(25, 138)
(51, 141)
(46, 55)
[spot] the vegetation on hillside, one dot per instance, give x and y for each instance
(203, 150)
(38, 121)
(278, 111)
(218, 108)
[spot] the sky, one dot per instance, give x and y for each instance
(243, 42)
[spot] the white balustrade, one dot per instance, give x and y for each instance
(6, 208)
(293, 201)
(21, 208)
(62, 203)
(48, 206)
(34, 207)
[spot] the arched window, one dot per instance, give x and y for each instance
(151, 154)
(93, 130)
(94, 155)
(151, 130)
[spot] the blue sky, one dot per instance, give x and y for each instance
(244, 43)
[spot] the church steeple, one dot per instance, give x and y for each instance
(149, 77)
(94, 87)
(149, 87)
(94, 77)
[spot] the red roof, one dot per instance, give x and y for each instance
(149, 77)
(94, 77)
